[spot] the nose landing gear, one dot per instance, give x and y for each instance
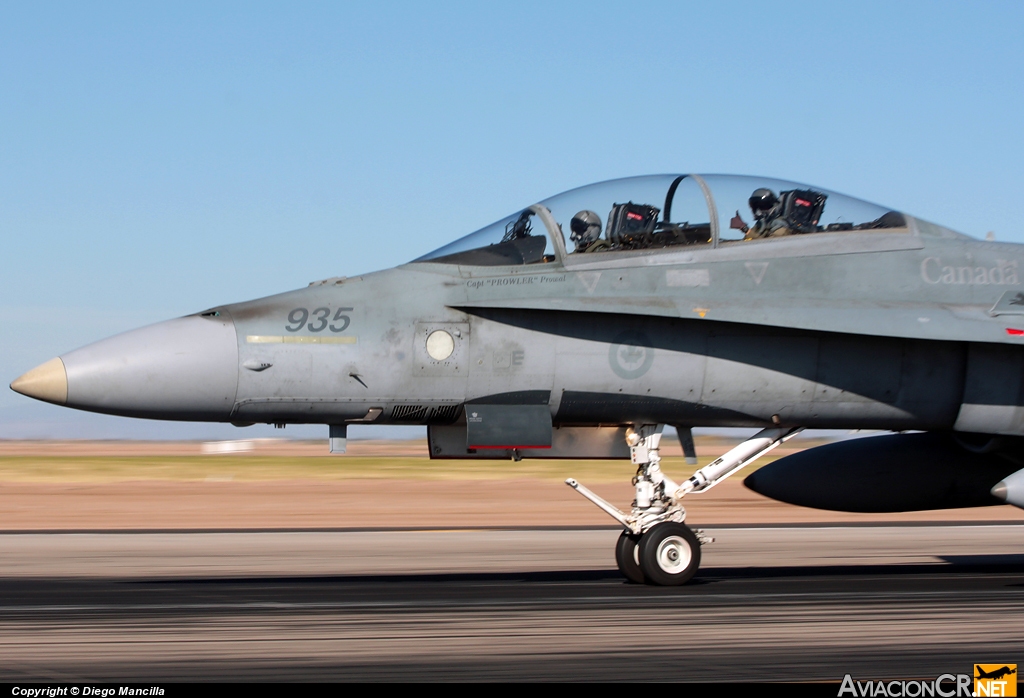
(627, 557)
(657, 547)
(669, 554)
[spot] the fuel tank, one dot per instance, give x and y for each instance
(893, 473)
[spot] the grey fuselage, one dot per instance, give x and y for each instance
(863, 329)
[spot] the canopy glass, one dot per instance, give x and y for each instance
(664, 211)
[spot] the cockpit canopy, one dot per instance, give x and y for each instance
(664, 211)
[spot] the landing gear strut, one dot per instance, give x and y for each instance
(656, 547)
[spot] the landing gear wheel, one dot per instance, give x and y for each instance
(669, 554)
(627, 555)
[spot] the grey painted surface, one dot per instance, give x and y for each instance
(188, 365)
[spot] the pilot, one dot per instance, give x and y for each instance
(586, 232)
(768, 219)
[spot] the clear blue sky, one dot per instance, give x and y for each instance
(157, 160)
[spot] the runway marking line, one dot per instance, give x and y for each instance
(831, 597)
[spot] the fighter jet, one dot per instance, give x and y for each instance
(582, 325)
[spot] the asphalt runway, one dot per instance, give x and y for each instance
(799, 603)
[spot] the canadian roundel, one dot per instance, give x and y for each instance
(440, 345)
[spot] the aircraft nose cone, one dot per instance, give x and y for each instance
(48, 382)
(185, 369)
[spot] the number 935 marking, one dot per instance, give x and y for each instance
(320, 320)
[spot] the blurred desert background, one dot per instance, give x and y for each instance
(273, 484)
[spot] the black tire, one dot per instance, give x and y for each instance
(669, 554)
(627, 556)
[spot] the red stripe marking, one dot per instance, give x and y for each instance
(1013, 331)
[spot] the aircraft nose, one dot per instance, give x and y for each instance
(47, 382)
(184, 369)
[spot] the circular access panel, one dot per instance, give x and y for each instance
(440, 345)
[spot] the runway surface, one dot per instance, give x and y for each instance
(769, 603)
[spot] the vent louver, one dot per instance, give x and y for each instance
(408, 413)
(444, 413)
(441, 414)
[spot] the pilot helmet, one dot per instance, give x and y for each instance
(586, 228)
(763, 200)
